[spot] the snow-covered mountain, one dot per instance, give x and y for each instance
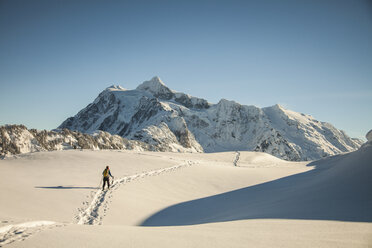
(17, 139)
(157, 115)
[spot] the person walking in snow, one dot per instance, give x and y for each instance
(106, 177)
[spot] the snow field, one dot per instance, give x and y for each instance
(12, 233)
(93, 214)
(262, 202)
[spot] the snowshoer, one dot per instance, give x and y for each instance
(106, 177)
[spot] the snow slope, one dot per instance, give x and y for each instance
(165, 199)
(175, 121)
(338, 189)
(53, 185)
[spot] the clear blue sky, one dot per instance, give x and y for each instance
(311, 56)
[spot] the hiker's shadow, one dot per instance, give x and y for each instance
(64, 187)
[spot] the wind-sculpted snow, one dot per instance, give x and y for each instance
(12, 233)
(174, 121)
(337, 189)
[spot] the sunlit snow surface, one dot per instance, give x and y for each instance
(162, 199)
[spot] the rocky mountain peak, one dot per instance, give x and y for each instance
(176, 121)
(156, 87)
(227, 103)
(278, 106)
(115, 87)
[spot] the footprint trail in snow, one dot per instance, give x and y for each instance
(94, 213)
(17, 232)
(237, 157)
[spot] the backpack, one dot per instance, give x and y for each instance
(106, 173)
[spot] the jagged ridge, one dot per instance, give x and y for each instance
(157, 115)
(17, 139)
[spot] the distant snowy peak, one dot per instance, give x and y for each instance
(292, 114)
(153, 83)
(115, 88)
(369, 136)
(227, 104)
(156, 87)
(314, 138)
(176, 121)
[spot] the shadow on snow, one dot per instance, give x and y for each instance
(65, 187)
(338, 188)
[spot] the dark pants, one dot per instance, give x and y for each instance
(106, 180)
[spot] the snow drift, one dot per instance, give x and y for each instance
(338, 188)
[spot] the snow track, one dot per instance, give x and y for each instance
(17, 232)
(236, 160)
(96, 210)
